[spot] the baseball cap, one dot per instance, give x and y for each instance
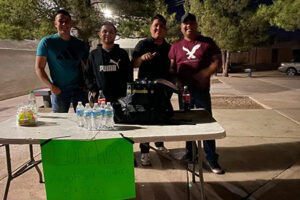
(187, 17)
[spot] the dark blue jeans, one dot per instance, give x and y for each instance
(202, 100)
(61, 103)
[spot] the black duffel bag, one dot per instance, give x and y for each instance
(147, 102)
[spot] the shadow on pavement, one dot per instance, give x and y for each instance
(280, 189)
(252, 158)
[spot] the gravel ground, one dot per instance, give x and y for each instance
(234, 102)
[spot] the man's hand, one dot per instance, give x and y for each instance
(148, 56)
(179, 85)
(94, 94)
(55, 90)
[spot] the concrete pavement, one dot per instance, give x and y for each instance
(261, 153)
(271, 88)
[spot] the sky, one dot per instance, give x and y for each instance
(176, 6)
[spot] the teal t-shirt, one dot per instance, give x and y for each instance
(64, 60)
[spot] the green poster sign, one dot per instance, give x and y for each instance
(88, 170)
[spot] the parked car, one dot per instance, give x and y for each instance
(290, 68)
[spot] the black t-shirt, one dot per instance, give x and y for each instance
(159, 66)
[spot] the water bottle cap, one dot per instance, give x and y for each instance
(31, 91)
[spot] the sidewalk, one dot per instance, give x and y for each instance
(261, 153)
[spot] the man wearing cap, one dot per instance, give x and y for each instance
(151, 57)
(193, 60)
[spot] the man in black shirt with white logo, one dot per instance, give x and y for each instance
(108, 67)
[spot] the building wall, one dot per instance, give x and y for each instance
(266, 57)
(239, 57)
(285, 54)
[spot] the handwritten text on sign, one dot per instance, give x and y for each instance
(99, 169)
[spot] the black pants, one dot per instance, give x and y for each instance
(145, 146)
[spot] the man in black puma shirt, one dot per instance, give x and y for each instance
(108, 67)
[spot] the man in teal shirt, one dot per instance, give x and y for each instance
(65, 55)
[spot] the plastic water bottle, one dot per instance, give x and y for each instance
(93, 119)
(109, 116)
(101, 97)
(186, 99)
(87, 116)
(32, 101)
(97, 116)
(102, 120)
(79, 113)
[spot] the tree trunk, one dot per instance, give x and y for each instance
(225, 62)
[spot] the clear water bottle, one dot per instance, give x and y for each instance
(186, 99)
(101, 97)
(93, 119)
(32, 101)
(87, 116)
(109, 116)
(97, 116)
(79, 114)
(102, 120)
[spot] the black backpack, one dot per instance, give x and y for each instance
(147, 102)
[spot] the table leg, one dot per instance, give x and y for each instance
(201, 182)
(194, 160)
(27, 166)
(35, 165)
(9, 174)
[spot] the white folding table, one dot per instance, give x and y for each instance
(195, 125)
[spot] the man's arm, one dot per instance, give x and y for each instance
(173, 74)
(212, 68)
(172, 70)
(139, 60)
(40, 64)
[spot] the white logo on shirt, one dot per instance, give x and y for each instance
(110, 68)
(191, 53)
(114, 62)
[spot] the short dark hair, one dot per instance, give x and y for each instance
(160, 17)
(107, 23)
(63, 12)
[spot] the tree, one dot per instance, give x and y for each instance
(33, 19)
(17, 19)
(135, 18)
(282, 13)
(233, 24)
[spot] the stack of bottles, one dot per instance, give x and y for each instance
(98, 117)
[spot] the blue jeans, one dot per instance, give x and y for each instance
(61, 103)
(202, 100)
